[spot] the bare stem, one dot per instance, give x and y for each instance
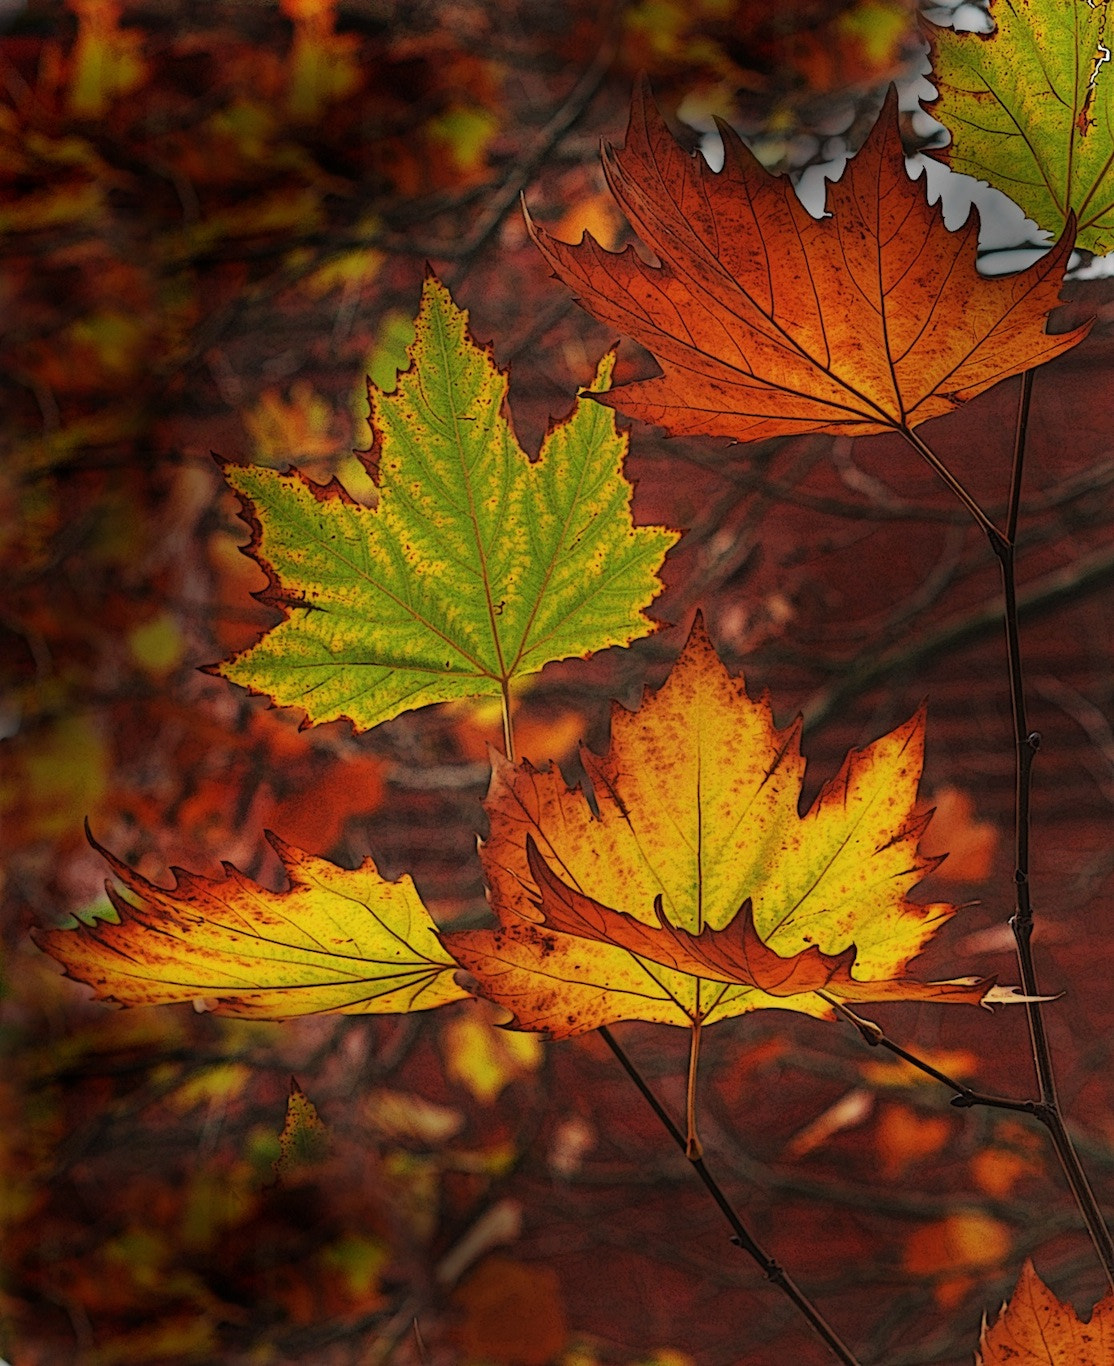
(693, 1148)
(1026, 744)
(771, 1269)
(965, 1096)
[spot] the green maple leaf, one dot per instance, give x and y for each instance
(476, 567)
(1030, 109)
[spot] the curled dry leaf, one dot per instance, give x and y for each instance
(768, 322)
(723, 898)
(1036, 1329)
(733, 954)
(336, 940)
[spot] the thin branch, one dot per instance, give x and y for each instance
(1026, 744)
(1059, 588)
(965, 1096)
(771, 1268)
(970, 503)
(1021, 432)
(569, 113)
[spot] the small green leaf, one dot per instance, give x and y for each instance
(1030, 109)
(476, 567)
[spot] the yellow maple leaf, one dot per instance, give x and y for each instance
(336, 940)
(695, 890)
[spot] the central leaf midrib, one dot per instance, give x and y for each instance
(442, 342)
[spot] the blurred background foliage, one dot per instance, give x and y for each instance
(214, 223)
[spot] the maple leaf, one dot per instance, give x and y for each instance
(1036, 1329)
(766, 321)
(475, 568)
(731, 900)
(337, 940)
(1030, 109)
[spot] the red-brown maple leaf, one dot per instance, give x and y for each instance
(768, 322)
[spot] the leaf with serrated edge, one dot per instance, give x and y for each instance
(1030, 108)
(337, 940)
(698, 819)
(476, 567)
(767, 322)
(1036, 1329)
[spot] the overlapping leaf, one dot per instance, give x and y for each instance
(734, 954)
(728, 900)
(1030, 109)
(766, 321)
(1036, 1329)
(336, 940)
(476, 567)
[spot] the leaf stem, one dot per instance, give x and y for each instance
(508, 725)
(693, 1147)
(952, 482)
(771, 1268)
(1026, 744)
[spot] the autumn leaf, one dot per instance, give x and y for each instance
(766, 321)
(957, 1252)
(1036, 1329)
(729, 899)
(337, 940)
(484, 1058)
(304, 1140)
(733, 954)
(1030, 109)
(477, 566)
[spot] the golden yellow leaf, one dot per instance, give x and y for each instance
(728, 900)
(336, 940)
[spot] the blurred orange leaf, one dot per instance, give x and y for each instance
(513, 1313)
(484, 1058)
(954, 830)
(956, 1252)
(905, 1137)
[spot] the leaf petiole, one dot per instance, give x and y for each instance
(969, 502)
(693, 1146)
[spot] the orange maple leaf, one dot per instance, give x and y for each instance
(1036, 1329)
(767, 322)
